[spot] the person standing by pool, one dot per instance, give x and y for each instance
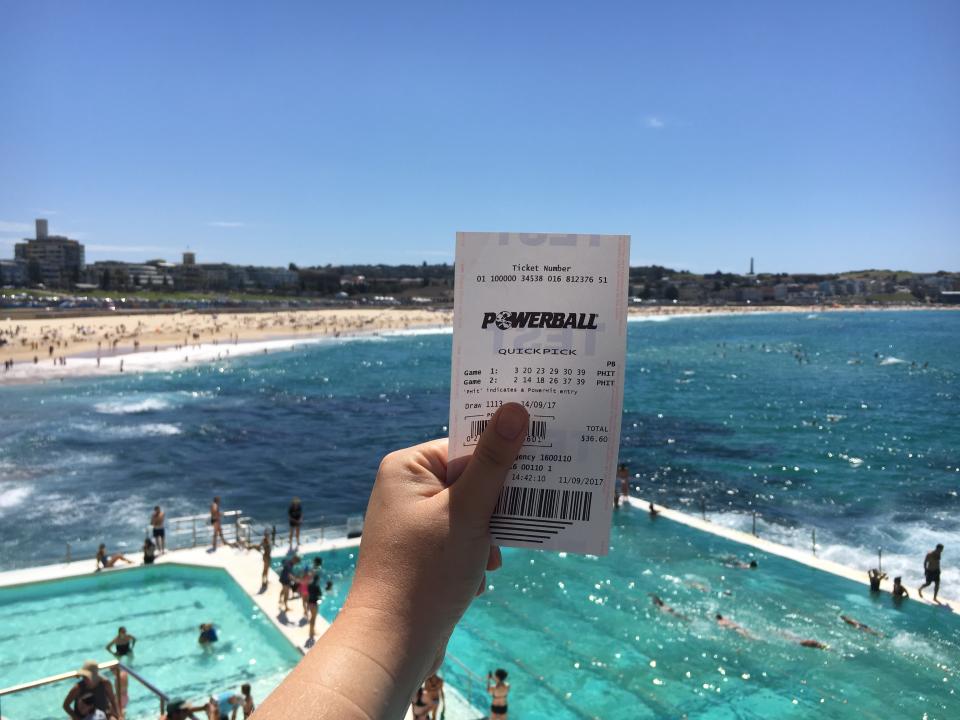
(108, 561)
(295, 515)
(313, 597)
(122, 644)
(623, 475)
(122, 680)
(287, 580)
(159, 531)
(433, 687)
(248, 705)
(216, 519)
(91, 684)
(265, 548)
(498, 694)
(931, 570)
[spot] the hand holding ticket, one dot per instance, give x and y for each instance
(541, 320)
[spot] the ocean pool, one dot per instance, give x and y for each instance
(52, 627)
(581, 637)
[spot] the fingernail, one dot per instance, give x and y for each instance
(511, 421)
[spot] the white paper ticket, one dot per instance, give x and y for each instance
(542, 320)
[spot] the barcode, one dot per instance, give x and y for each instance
(537, 432)
(544, 503)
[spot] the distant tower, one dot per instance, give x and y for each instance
(751, 266)
(41, 229)
(189, 258)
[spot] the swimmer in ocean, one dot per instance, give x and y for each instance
(663, 607)
(730, 625)
(858, 625)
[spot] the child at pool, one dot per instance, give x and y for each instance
(426, 526)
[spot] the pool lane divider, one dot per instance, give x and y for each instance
(785, 551)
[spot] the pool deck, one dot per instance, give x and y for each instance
(800, 556)
(245, 568)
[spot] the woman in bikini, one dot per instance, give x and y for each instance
(108, 561)
(122, 644)
(295, 515)
(498, 694)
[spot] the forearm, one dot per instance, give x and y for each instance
(364, 666)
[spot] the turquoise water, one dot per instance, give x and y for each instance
(844, 422)
(52, 627)
(581, 638)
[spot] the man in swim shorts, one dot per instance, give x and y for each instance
(159, 531)
(931, 569)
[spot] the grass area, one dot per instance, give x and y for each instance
(901, 297)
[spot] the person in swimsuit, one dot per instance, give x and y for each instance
(931, 571)
(265, 548)
(248, 705)
(498, 694)
(731, 625)
(303, 585)
(208, 635)
(313, 597)
(108, 561)
(420, 708)
(858, 625)
(159, 531)
(433, 690)
(295, 515)
(122, 644)
(287, 580)
(227, 704)
(899, 591)
(876, 577)
(149, 551)
(623, 475)
(663, 607)
(216, 517)
(92, 684)
(653, 511)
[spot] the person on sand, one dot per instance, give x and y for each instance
(498, 694)
(157, 520)
(899, 591)
(858, 625)
(91, 684)
(876, 577)
(931, 569)
(295, 516)
(216, 520)
(265, 548)
(433, 690)
(122, 644)
(731, 625)
(361, 665)
(108, 561)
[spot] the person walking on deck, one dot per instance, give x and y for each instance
(931, 570)
(159, 531)
(216, 519)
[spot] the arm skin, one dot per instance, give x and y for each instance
(426, 527)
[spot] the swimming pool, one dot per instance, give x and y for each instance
(52, 627)
(581, 637)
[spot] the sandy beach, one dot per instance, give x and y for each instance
(52, 347)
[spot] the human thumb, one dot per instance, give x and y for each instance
(479, 485)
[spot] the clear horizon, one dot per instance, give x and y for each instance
(814, 138)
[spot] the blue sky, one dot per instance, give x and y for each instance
(815, 136)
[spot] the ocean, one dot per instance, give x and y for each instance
(842, 423)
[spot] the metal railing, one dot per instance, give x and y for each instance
(190, 530)
(73, 675)
(470, 685)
